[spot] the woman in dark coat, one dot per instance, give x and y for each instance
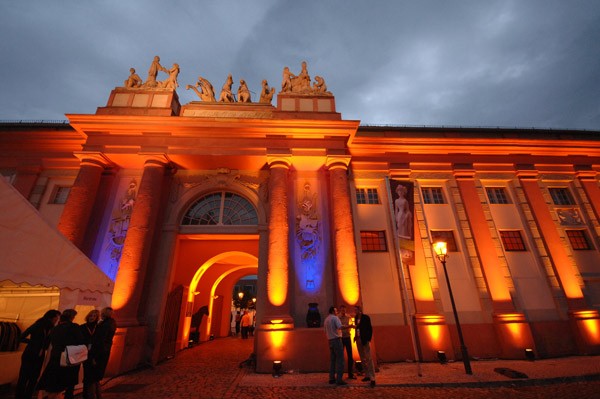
(32, 358)
(55, 378)
(88, 329)
(100, 351)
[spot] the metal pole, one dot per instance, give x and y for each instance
(463, 348)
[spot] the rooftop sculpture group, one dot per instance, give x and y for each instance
(295, 84)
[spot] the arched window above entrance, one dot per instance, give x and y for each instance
(221, 209)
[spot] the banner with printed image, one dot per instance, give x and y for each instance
(402, 195)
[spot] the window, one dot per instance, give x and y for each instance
(497, 195)
(578, 239)
(221, 209)
(373, 241)
(447, 236)
(512, 240)
(433, 195)
(561, 196)
(59, 195)
(367, 196)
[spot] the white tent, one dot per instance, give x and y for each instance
(40, 269)
(36, 253)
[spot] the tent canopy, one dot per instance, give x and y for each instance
(34, 252)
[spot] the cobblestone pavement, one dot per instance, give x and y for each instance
(211, 371)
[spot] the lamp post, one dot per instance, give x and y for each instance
(441, 250)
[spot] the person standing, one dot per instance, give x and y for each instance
(364, 334)
(55, 378)
(88, 329)
(245, 324)
(333, 331)
(32, 358)
(346, 340)
(238, 320)
(100, 351)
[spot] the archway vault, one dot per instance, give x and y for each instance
(212, 282)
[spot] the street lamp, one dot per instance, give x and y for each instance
(441, 250)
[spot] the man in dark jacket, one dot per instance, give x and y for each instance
(55, 378)
(363, 336)
(34, 353)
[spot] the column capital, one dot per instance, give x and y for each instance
(585, 172)
(279, 160)
(155, 158)
(337, 161)
(526, 171)
(94, 158)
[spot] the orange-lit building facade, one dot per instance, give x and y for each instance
(177, 202)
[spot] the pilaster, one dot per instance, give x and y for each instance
(346, 265)
(136, 249)
(75, 218)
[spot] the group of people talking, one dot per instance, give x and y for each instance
(337, 328)
(54, 332)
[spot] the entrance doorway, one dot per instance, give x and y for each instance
(209, 267)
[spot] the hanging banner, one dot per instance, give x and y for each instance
(402, 193)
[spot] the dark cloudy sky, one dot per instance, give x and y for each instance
(524, 63)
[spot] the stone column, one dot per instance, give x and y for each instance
(484, 242)
(136, 249)
(278, 252)
(75, 218)
(584, 322)
(561, 262)
(589, 182)
(346, 265)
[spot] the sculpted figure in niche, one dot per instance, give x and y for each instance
(133, 80)
(266, 94)
(203, 89)
(226, 95)
(155, 67)
(243, 93)
(171, 81)
(404, 217)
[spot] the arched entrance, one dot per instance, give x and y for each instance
(229, 267)
(217, 245)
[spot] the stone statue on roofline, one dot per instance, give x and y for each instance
(155, 67)
(171, 81)
(133, 81)
(226, 95)
(266, 94)
(301, 83)
(204, 90)
(243, 93)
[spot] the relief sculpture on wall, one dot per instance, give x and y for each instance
(118, 228)
(308, 236)
(307, 224)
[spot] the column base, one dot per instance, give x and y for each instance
(514, 335)
(433, 336)
(128, 349)
(586, 329)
